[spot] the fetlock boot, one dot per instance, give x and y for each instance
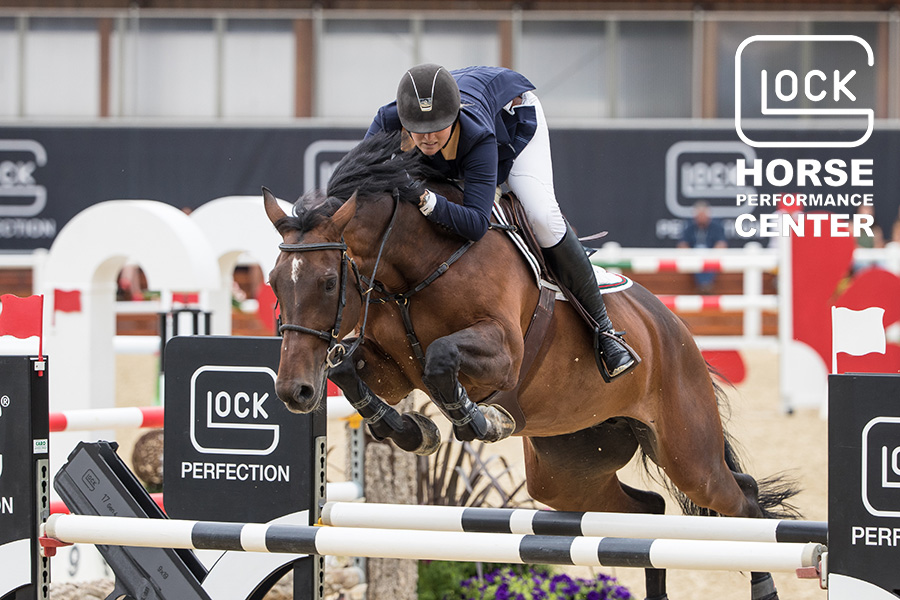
(570, 264)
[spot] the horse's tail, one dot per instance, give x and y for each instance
(774, 492)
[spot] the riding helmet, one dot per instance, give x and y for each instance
(427, 99)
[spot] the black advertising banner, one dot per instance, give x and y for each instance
(864, 486)
(233, 451)
(638, 183)
(641, 184)
(24, 472)
(50, 174)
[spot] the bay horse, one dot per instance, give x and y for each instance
(350, 261)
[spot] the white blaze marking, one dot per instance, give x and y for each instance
(295, 269)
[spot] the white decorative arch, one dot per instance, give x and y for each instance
(87, 256)
(236, 225)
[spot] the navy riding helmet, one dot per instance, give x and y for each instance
(427, 99)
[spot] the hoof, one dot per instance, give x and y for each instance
(500, 424)
(431, 435)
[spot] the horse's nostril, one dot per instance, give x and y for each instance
(305, 393)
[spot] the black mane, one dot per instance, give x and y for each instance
(375, 166)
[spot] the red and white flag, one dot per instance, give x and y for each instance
(67, 301)
(23, 318)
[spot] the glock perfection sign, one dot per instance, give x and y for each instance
(864, 485)
(232, 448)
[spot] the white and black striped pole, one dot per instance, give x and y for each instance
(434, 545)
(547, 522)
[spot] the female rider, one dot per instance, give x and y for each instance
(484, 126)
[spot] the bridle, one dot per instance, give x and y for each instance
(337, 351)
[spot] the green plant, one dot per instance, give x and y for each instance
(441, 580)
(535, 584)
(459, 474)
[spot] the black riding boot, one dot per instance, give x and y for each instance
(571, 265)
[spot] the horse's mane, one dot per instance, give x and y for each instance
(375, 166)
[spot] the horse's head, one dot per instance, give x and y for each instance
(316, 286)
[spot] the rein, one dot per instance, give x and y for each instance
(336, 351)
(402, 300)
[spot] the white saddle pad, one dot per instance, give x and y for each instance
(607, 281)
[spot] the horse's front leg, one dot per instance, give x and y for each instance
(480, 352)
(412, 432)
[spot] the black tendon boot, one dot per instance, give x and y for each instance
(571, 265)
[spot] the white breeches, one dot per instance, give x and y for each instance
(531, 179)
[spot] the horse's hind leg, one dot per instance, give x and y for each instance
(412, 432)
(711, 478)
(577, 472)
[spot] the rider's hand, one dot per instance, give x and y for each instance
(427, 202)
(417, 188)
(413, 187)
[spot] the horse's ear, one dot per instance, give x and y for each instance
(272, 209)
(343, 215)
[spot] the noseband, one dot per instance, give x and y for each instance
(336, 351)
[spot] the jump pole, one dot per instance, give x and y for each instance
(148, 416)
(432, 545)
(545, 522)
(107, 418)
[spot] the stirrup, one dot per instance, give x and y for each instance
(598, 354)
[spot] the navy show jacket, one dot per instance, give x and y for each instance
(483, 144)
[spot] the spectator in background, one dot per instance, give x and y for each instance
(895, 229)
(131, 283)
(876, 240)
(703, 232)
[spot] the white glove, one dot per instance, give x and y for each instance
(427, 202)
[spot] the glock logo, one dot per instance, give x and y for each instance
(881, 467)
(817, 94)
(20, 195)
(705, 170)
(320, 159)
(228, 408)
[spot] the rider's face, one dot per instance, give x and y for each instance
(430, 143)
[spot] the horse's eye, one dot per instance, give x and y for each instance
(330, 284)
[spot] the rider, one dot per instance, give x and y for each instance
(484, 126)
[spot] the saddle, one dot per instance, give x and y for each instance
(511, 216)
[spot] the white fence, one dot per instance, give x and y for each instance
(753, 261)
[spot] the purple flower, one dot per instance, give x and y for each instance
(558, 581)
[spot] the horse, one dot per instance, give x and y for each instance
(363, 259)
